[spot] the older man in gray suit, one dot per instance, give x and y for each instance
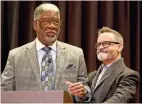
(113, 82)
(26, 65)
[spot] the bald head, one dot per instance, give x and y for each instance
(44, 8)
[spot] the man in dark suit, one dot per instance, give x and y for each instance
(113, 82)
(26, 69)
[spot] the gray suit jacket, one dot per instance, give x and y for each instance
(117, 85)
(22, 70)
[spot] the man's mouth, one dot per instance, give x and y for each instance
(50, 31)
(102, 52)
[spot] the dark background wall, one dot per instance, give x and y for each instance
(80, 22)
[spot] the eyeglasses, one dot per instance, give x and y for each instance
(48, 22)
(105, 44)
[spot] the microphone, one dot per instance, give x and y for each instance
(49, 60)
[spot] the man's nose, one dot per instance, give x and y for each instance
(51, 25)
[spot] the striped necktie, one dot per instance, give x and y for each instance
(47, 72)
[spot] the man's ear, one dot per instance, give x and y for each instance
(120, 47)
(35, 25)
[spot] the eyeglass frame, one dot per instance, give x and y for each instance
(102, 43)
(49, 22)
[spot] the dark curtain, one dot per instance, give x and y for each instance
(80, 22)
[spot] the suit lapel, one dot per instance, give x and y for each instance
(95, 78)
(60, 60)
(33, 60)
(106, 75)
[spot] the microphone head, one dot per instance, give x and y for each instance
(49, 60)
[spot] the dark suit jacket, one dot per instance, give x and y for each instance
(22, 71)
(117, 85)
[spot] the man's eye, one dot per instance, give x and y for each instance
(106, 43)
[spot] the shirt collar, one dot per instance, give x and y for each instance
(39, 45)
(106, 66)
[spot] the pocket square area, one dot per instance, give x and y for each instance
(70, 66)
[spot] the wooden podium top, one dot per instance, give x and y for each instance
(56, 96)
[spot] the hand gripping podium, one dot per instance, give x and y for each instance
(56, 96)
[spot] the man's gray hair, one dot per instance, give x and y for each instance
(117, 35)
(43, 8)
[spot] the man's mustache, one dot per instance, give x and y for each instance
(102, 52)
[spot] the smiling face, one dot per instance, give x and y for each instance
(47, 27)
(108, 49)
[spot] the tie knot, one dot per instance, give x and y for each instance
(46, 49)
(103, 67)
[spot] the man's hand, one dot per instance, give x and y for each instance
(76, 89)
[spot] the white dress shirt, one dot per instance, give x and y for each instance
(41, 53)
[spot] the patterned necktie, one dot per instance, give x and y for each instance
(47, 71)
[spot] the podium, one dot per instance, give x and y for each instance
(56, 96)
